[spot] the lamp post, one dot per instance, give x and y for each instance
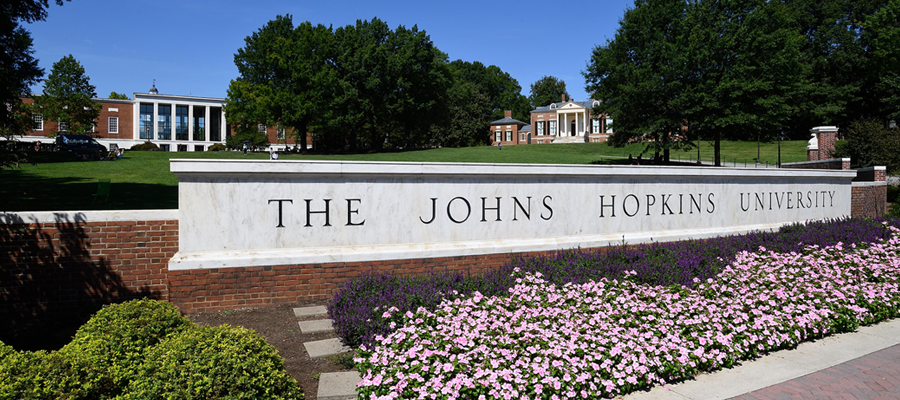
(757, 147)
(780, 135)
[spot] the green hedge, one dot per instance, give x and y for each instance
(214, 363)
(146, 349)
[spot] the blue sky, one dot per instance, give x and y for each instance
(188, 46)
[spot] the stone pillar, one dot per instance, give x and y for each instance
(812, 149)
(826, 136)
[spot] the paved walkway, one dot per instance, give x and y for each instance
(858, 365)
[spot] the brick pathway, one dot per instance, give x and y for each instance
(874, 376)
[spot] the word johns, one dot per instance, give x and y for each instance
(459, 209)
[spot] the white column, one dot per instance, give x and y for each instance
(155, 122)
(578, 126)
(190, 135)
(172, 122)
(206, 121)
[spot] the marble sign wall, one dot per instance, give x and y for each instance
(255, 213)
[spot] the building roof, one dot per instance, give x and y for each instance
(526, 128)
(507, 120)
(585, 104)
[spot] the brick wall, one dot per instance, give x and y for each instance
(54, 262)
(869, 199)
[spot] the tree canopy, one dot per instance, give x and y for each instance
(744, 69)
(503, 91)
(547, 90)
(361, 85)
(118, 96)
(67, 98)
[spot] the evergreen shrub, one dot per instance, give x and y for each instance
(213, 363)
(146, 146)
(107, 351)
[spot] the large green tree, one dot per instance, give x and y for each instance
(881, 37)
(390, 85)
(67, 98)
(703, 68)
(641, 74)
(547, 90)
(281, 68)
(467, 124)
(503, 91)
(18, 68)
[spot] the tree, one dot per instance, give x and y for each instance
(281, 76)
(704, 68)
(67, 98)
(881, 36)
(118, 96)
(467, 124)
(17, 66)
(547, 90)
(641, 74)
(502, 90)
(388, 87)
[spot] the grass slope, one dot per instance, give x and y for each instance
(141, 180)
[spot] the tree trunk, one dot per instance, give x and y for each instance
(717, 148)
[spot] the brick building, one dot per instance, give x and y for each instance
(509, 130)
(569, 121)
(172, 122)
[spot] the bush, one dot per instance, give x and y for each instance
(217, 147)
(17, 372)
(213, 363)
(106, 352)
(146, 146)
(869, 143)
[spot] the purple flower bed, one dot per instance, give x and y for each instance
(357, 309)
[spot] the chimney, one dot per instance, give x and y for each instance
(563, 97)
(507, 114)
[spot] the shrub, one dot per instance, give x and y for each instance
(146, 146)
(106, 352)
(17, 372)
(217, 147)
(870, 143)
(213, 363)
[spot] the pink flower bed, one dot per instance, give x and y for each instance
(606, 338)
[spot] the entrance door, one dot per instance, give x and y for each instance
(572, 131)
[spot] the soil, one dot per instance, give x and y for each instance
(278, 325)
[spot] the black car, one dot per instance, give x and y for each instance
(80, 144)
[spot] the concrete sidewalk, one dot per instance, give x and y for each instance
(857, 365)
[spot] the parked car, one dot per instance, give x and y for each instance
(82, 145)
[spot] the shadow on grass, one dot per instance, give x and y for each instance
(23, 191)
(49, 282)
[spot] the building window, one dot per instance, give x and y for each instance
(595, 125)
(509, 136)
(181, 123)
(215, 124)
(522, 138)
(279, 133)
(164, 147)
(261, 128)
(498, 136)
(182, 147)
(540, 128)
(199, 124)
(608, 123)
(38, 121)
(114, 125)
(146, 122)
(63, 126)
(198, 148)
(552, 128)
(164, 121)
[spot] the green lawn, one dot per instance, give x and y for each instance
(141, 180)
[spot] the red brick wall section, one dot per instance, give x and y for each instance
(229, 288)
(65, 264)
(868, 201)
